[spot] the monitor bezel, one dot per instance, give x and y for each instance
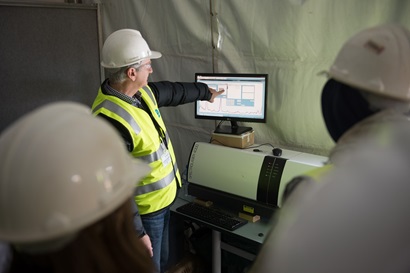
(230, 118)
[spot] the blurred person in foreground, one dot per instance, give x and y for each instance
(65, 182)
(368, 88)
(356, 218)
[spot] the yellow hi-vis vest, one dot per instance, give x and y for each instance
(317, 173)
(158, 189)
(312, 176)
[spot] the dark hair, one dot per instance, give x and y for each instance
(108, 246)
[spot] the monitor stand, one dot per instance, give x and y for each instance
(234, 129)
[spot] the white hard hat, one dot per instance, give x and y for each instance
(126, 47)
(377, 60)
(61, 169)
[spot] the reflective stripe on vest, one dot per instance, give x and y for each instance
(149, 93)
(156, 185)
(121, 112)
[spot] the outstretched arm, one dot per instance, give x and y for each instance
(177, 93)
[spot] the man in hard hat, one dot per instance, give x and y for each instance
(129, 102)
(346, 223)
(66, 181)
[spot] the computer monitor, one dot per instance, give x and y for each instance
(244, 100)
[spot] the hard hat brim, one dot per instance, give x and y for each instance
(155, 55)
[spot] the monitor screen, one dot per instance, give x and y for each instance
(244, 100)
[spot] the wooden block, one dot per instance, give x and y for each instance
(249, 217)
(203, 203)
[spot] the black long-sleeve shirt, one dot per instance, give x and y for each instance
(177, 93)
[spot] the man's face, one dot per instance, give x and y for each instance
(143, 73)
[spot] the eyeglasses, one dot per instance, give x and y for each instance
(139, 67)
(147, 66)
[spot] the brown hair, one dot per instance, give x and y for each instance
(108, 246)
